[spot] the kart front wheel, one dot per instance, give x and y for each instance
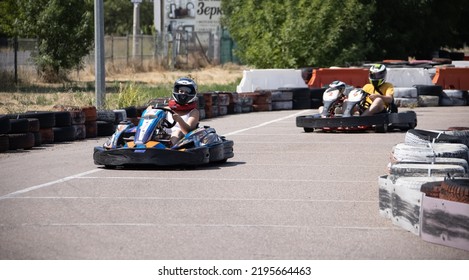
(308, 129)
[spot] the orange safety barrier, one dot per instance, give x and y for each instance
(321, 77)
(452, 78)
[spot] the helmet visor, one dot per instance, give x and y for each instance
(183, 89)
(377, 75)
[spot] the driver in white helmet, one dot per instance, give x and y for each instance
(184, 105)
(381, 93)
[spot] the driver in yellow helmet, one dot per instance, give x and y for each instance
(381, 93)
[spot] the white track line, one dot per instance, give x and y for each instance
(48, 184)
(266, 123)
(222, 179)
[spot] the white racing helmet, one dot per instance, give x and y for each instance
(185, 91)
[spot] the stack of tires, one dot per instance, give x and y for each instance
(63, 129)
(261, 100)
(78, 122)
(211, 104)
(282, 99)
(234, 107)
(454, 97)
(316, 97)
(300, 98)
(223, 102)
(426, 157)
(246, 103)
(18, 132)
(91, 126)
(429, 96)
(132, 114)
(201, 106)
(106, 122)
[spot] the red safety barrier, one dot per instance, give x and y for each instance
(452, 78)
(321, 77)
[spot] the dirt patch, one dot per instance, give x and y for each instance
(210, 75)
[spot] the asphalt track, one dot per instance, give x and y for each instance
(286, 195)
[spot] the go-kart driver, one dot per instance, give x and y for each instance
(381, 93)
(184, 104)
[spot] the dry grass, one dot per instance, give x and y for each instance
(79, 90)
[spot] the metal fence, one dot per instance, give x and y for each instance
(179, 49)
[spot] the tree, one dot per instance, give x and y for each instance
(294, 33)
(8, 13)
(299, 33)
(118, 17)
(417, 28)
(64, 33)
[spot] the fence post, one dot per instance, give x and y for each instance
(112, 49)
(127, 51)
(15, 47)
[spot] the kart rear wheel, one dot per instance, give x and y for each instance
(308, 129)
(383, 128)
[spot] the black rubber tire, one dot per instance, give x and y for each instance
(4, 143)
(433, 90)
(21, 141)
(105, 128)
(46, 119)
(64, 134)
(4, 124)
(426, 136)
(381, 128)
(19, 126)
(34, 125)
(63, 118)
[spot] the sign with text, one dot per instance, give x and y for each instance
(198, 15)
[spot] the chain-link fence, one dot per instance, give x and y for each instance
(179, 49)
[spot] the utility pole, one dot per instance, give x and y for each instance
(136, 27)
(100, 83)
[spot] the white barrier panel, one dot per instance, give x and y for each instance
(408, 77)
(267, 79)
(460, 63)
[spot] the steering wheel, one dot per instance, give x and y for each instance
(165, 122)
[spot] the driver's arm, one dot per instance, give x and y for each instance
(191, 123)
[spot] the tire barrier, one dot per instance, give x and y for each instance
(120, 116)
(246, 103)
(405, 169)
(5, 124)
(234, 107)
(64, 133)
(420, 136)
(4, 143)
(223, 102)
(453, 97)
(211, 105)
(316, 97)
(261, 101)
(282, 100)
(426, 190)
(412, 152)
